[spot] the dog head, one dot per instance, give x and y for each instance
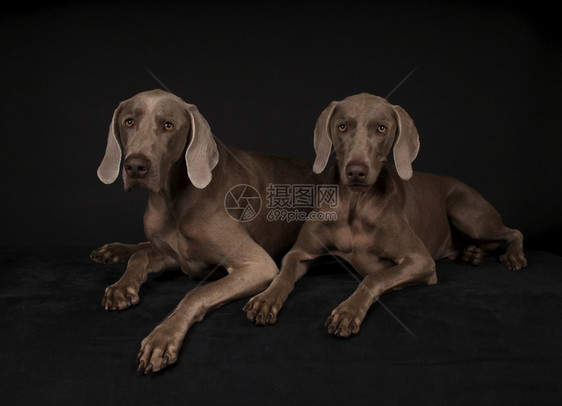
(150, 133)
(363, 129)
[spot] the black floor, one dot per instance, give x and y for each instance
(480, 336)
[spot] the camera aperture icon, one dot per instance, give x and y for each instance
(242, 202)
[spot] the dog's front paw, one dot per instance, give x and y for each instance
(262, 309)
(112, 253)
(120, 297)
(160, 348)
(514, 261)
(345, 320)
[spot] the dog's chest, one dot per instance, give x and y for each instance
(162, 230)
(166, 239)
(357, 243)
(353, 237)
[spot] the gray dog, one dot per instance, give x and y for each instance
(167, 147)
(391, 222)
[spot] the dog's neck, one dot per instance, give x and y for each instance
(178, 187)
(177, 182)
(177, 194)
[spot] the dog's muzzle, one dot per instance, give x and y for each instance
(137, 166)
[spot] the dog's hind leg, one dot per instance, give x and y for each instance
(116, 252)
(475, 217)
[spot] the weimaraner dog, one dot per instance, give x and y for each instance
(391, 222)
(167, 147)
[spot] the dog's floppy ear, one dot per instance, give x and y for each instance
(109, 168)
(202, 154)
(322, 139)
(406, 144)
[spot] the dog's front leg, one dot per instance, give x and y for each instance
(263, 308)
(345, 320)
(246, 276)
(125, 292)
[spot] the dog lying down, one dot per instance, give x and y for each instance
(166, 146)
(391, 222)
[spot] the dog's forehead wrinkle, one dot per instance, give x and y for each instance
(138, 105)
(168, 110)
(161, 105)
(375, 109)
(364, 108)
(346, 111)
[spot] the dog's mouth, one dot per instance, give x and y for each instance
(359, 187)
(131, 183)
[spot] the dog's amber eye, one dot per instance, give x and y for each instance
(168, 126)
(342, 128)
(381, 129)
(129, 122)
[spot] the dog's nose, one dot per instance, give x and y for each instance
(356, 172)
(137, 166)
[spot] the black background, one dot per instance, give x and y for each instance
(483, 85)
(485, 94)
